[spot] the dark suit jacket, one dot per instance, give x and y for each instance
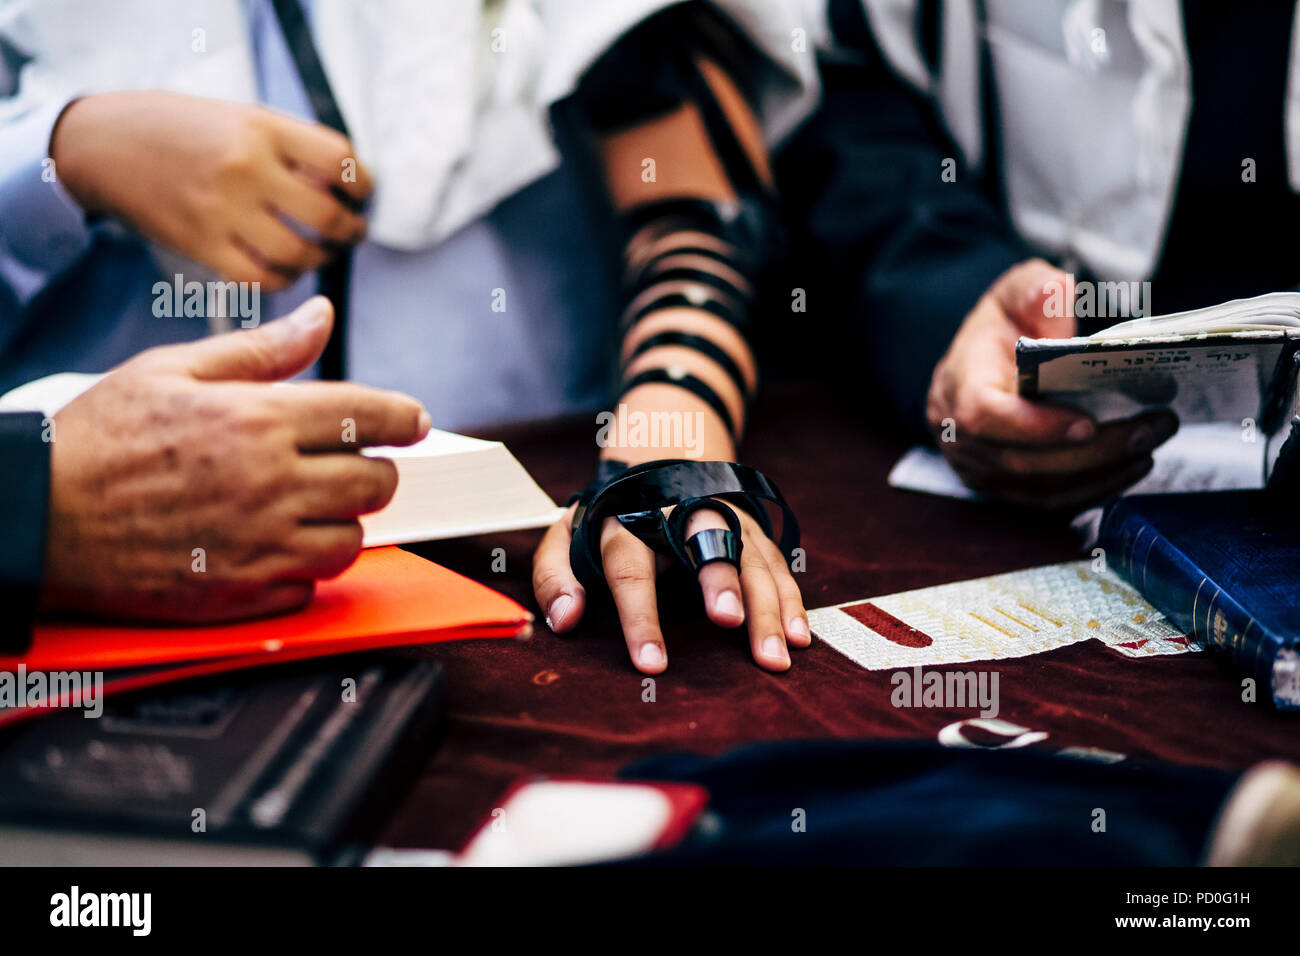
(897, 254)
(900, 254)
(24, 516)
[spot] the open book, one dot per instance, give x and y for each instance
(453, 486)
(1233, 363)
(449, 486)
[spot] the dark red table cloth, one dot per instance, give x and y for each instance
(574, 704)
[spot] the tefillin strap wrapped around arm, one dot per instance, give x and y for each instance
(688, 251)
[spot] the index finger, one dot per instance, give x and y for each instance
(558, 591)
(629, 567)
(339, 415)
(324, 152)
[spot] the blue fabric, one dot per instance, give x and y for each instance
(1221, 565)
(894, 803)
(75, 292)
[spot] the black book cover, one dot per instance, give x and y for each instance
(280, 766)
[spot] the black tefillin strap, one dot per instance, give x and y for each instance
(683, 379)
(669, 243)
(698, 343)
(637, 496)
(656, 282)
(606, 471)
(744, 228)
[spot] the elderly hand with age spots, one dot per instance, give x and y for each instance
(188, 446)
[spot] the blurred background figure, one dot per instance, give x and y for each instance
(483, 273)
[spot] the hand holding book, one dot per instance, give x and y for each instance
(1024, 451)
(1232, 363)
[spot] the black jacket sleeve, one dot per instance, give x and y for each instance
(901, 253)
(24, 516)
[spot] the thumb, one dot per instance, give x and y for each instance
(274, 351)
(558, 592)
(1039, 298)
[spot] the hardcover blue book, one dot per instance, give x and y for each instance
(1224, 566)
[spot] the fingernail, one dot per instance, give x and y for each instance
(798, 627)
(311, 313)
(774, 647)
(558, 610)
(651, 655)
(425, 423)
(728, 605)
(1081, 430)
(1140, 441)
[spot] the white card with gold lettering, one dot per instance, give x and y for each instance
(1005, 615)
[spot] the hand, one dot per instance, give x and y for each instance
(185, 447)
(214, 181)
(1028, 453)
(763, 593)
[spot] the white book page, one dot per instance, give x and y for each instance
(1271, 311)
(433, 445)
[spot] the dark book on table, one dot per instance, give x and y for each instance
(277, 767)
(1224, 566)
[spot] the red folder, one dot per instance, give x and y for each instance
(387, 598)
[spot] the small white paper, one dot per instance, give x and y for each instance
(1204, 457)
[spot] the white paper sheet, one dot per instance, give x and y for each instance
(1206, 457)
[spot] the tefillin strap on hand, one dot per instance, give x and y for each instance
(637, 496)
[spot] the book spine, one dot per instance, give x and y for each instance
(1194, 602)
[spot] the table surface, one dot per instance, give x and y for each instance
(574, 704)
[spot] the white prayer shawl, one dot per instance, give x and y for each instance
(446, 100)
(1093, 102)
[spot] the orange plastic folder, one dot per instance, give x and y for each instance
(387, 598)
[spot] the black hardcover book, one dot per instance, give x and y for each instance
(280, 767)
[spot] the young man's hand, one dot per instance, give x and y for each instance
(244, 190)
(763, 596)
(185, 488)
(1028, 453)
